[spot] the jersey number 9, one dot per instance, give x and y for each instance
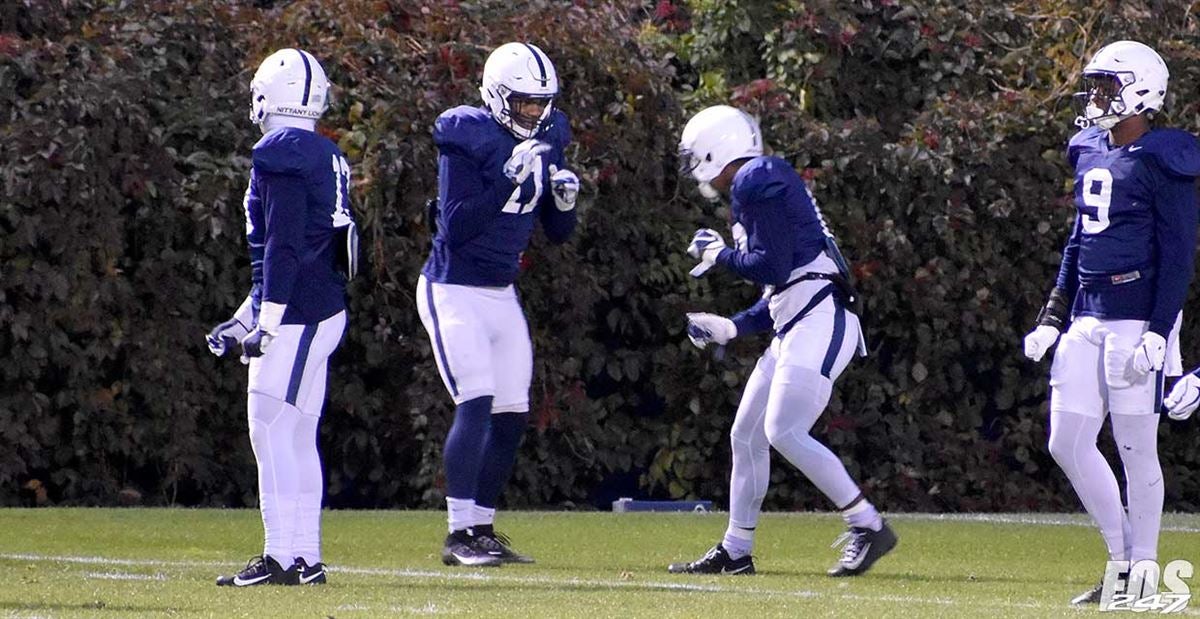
(1097, 193)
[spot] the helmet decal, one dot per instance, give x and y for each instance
(307, 77)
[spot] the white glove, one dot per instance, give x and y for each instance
(255, 344)
(227, 334)
(1184, 398)
(704, 328)
(706, 246)
(1150, 354)
(1039, 341)
(565, 186)
(524, 158)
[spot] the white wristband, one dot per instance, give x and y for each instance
(270, 315)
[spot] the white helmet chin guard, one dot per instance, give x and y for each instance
(289, 82)
(1121, 80)
(713, 138)
(517, 71)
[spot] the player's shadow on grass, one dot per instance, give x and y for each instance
(103, 607)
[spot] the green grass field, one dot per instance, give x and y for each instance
(162, 562)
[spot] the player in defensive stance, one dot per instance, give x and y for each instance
(783, 244)
(303, 247)
(1122, 283)
(501, 169)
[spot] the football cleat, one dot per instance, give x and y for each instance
(460, 549)
(715, 561)
(863, 547)
(496, 544)
(260, 570)
(1089, 597)
(310, 574)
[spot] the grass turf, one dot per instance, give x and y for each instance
(162, 562)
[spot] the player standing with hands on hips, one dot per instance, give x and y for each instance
(303, 250)
(501, 169)
(1122, 284)
(783, 244)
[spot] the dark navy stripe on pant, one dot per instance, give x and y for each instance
(835, 343)
(306, 339)
(437, 338)
(1159, 379)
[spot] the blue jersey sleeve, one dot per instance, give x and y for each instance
(470, 198)
(1068, 270)
(771, 242)
(754, 319)
(1175, 220)
(557, 224)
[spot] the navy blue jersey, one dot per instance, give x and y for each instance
(484, 222)
(784, 230)
(297, 201)
(1130, 254)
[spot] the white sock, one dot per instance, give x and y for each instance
(482, 515)
(1137, 443)
(272, 425)
(738, 542)
(461, 513)
(307, 543)
(1073, 446)
(862, 514)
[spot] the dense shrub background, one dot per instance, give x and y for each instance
(931, 131)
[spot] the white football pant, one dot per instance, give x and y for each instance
(1092, 375)
(285, 400)
(786, 393)
(480, 342)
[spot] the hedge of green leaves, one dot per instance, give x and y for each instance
(931, 131)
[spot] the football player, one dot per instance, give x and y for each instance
(1121, 285)
(303, 248)
(501, 170)
(782, 243)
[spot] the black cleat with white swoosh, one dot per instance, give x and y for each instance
(486, 539)
(863, 548)
(715, 561)
(310, 574)
(460, 549)
(1091, 596)
(260, 570)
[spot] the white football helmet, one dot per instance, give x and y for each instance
(289, 82)
(1121, 80)
(713, 138)
(519, 71)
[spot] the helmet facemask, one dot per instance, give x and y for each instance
(1102, 102)
(524, 124)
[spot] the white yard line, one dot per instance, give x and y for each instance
(122, 576)
(481, 576)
